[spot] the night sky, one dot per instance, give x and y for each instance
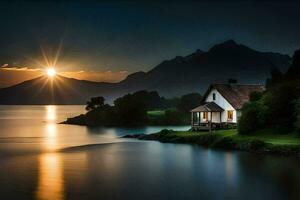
(106, 41)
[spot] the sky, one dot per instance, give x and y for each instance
(106, 41)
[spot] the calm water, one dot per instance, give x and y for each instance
(40, 159)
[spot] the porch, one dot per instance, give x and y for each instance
(206, 117)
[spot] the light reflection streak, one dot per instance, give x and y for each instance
(50, 142)
(50, 177)
(229, 169)
(50, 113)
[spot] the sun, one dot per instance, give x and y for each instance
(51, 72)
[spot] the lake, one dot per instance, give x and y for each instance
(41, 159)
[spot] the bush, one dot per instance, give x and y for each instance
(255, 96)
(94, 103)
(281, 107)
(297, 115)
(225, 143)
(255, 145)
(166, 131)
(249, 121)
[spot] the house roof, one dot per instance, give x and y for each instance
(208, 107)
(237, 95)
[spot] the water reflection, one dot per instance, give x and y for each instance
(50, 141)
(50, 174)
(126, 170)
(229, 170)
(50, 113)
(50, 177)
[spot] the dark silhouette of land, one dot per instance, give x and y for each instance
(181, 75)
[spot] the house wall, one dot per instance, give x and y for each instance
(223, 103)
(215, 117)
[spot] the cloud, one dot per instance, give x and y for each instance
(11, 75)
(19, 68)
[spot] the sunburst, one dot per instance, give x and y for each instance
(51, 72)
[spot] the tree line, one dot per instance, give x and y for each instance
(132, 110)
(278, 107)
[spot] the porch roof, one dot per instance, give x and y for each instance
(208, 107)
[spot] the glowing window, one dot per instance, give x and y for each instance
(230, 115)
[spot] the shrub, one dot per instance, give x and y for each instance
(297, 115)
(225, 143)
(94, 103)
(249, 121)
(255, 145)
(255, 96)
(281, 107)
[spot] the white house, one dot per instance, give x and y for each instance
(221, 105)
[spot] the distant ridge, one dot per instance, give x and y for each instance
(181, 75)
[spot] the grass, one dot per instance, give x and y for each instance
(263, 135)
(156, 113)
(268, 136)
(264, 141)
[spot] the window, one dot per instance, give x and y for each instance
(205, 115)
(230, 115)
(214, 96)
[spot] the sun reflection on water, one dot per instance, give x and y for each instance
(50, 177)
(50, 113)
(50, 141)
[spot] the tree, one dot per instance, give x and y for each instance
(188, 102)
(294, 70)
(249, 121)
(280, 115)
(131, 110)
(276, 78)
(297, 115)
(278, 107)
(151, 99)
(255, 96)
(94, 103)
(104, 116)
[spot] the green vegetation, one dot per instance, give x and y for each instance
(188, 102)
(156, 113)
(262, 141)
(138, 109)
(278, 108)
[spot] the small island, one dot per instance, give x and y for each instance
(141, 108)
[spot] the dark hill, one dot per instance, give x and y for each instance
(59, 90)
(181, 75)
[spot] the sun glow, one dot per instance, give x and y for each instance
(51, 72)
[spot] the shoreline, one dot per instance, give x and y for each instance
(225, 140)
(123, 126)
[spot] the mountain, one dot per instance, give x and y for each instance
(181, 75)
(58, 90)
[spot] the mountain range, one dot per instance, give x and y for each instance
(181, 75)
